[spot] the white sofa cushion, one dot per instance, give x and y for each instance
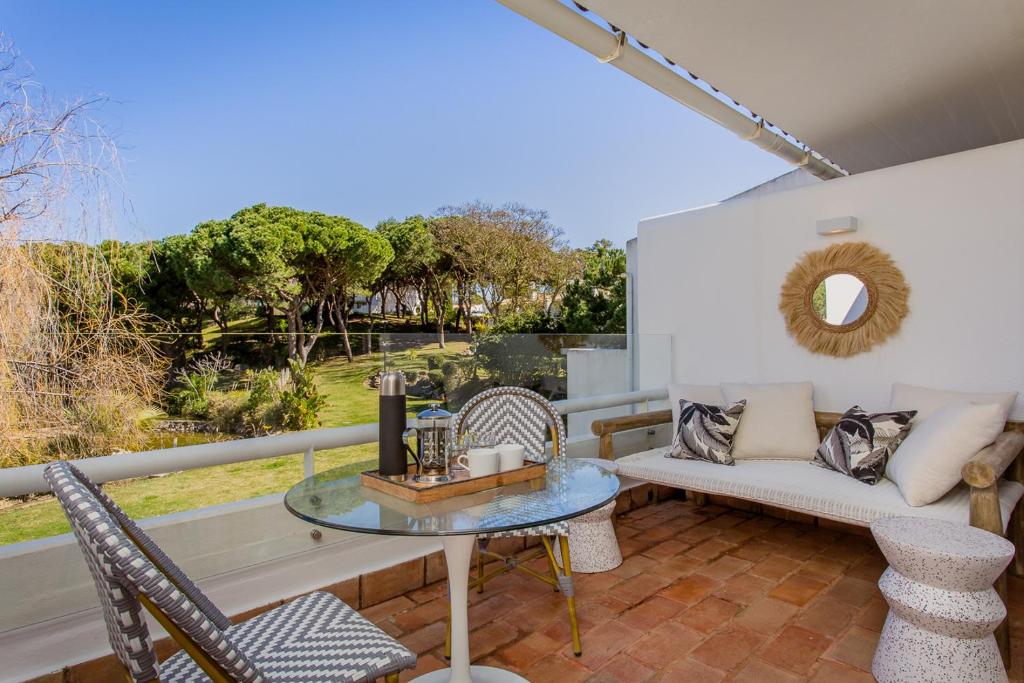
(709, 394)
(928, 462)
(802, 487)
(778, 422)
(927, 401)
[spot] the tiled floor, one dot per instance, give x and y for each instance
(708, 594)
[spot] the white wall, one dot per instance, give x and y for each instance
(955, 226)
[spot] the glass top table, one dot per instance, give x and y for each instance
(569, 489)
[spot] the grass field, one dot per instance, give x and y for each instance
(349, 402)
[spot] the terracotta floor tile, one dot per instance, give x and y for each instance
(795, 649)
(424, 664)
(675, 567)
(728, 648)
(775, 567)
(797, 589)
(826, 616)
(664, 644)
(691, 589)
(526, 652)
(699, 533)
(637, 589)
(491, 608)
(831, 672)
(856, 592)
(623, 669)
(632, 566)
(822, 569)
(743, 589)
(387, 609)
(766, 615)
(725, 567)
(855, 648)
(708, 614)
(758, 671)
(651, 612)
(486, 639)
(629, 547)
(709, 549)
(426, 638)
(655, 534)
(872, 616)
(754, 551)
(556, 669)
(427, 613)
(666, 549)
(691, 671)
(604, 642)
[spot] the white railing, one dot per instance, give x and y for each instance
(19, 481)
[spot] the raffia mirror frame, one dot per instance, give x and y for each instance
(888, 295)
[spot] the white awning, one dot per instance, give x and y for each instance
(867, 84)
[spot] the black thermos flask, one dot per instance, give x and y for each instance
(393, 459)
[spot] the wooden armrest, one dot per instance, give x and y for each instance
(612, 425)
(990, 462)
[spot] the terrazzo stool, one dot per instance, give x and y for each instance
(593, 545)
(942, 607)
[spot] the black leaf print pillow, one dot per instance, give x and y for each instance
(861, 444)
(705, 432)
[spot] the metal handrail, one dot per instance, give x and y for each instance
(20, 481)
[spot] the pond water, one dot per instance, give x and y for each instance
(172, 439)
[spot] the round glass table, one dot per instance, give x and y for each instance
(570, 488)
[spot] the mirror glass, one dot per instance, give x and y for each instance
(840, 299)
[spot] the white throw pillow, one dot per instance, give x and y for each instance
(928, 462)
(928, 401)
(778, 422)
(709, 394)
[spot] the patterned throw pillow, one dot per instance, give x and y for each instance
(705, 432)
(860, 444)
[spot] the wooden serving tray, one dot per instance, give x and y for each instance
(460, 485)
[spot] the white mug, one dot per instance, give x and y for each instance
(510, 455)
(479, 461)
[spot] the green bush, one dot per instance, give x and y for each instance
(434, 361)
(226, 412)
(301, 404)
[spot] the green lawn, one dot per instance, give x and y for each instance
(349, 402)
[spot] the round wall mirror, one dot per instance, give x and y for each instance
(843, 300)
(840, 299)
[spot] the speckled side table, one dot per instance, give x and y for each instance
(593, 545)
(942, 607)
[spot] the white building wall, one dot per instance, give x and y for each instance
(954, 225)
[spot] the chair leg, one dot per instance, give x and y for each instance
(479, 569)
(551, 565)
(448, 633)
(577, 646)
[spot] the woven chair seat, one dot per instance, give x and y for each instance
(314, 639)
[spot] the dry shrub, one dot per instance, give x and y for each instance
(77, 373)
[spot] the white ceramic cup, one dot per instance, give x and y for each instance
(510, 455)
(479, 461)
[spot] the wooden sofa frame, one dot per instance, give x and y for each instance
(981, 474)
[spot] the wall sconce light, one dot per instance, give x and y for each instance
(837, 226)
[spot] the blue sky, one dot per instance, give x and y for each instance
(373, 109)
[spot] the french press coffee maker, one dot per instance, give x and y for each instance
(431, 453)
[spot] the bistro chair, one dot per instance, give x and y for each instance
(315, 638)
(516, 415)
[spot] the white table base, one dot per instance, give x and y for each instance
(593, 545)
(458, 552)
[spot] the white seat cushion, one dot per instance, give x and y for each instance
(802, 487)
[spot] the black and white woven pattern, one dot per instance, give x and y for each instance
(314, 639)
(125, 565)
(122, 613)
(515, 415)
(155, 553)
